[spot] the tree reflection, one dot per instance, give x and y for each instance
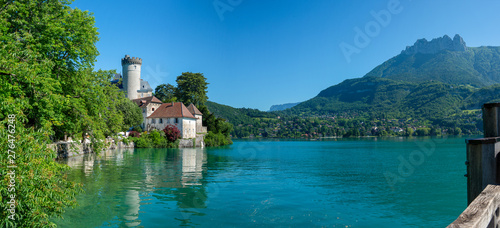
(121, 184)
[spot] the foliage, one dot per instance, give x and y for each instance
(132, 114)
(166, 93)
(47, 54)
(41, 187)
(46, 57)
(219, 130)
(171, 133)
(155, 139)
(126, 140)
(192, 88)
(216, 139)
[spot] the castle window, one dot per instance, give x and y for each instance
(161, 120)
(176, 120)
(152, 120)
(153, 109)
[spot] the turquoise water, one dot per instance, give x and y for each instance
(372, 182)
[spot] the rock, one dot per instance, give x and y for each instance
(436, 45)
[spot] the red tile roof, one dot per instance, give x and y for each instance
(194, 110)
(172, 110)
(144, 101)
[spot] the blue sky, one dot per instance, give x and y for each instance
(256, 53)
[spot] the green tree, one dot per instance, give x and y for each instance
(192, 88)
(132, 114)
(166, 93)
(408, 131)
(47, 80)
(423, 131)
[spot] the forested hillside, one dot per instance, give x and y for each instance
(433, 87)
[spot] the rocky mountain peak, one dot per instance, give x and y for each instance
(436, 45)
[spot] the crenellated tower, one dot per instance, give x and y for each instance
(131, 70)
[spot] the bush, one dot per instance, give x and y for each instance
(219, 139)
(42, 189)
(126, 141)
(142, 142)
(171, 133)
(155, 139)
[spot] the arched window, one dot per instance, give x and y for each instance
(153, 109)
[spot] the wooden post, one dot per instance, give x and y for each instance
(482, 168)
(483, 154)
(491, 125)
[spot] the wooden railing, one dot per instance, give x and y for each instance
(483, 211)
(483, 174)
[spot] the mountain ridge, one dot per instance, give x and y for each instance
(281, 107)
(435, 86)
(422, 46)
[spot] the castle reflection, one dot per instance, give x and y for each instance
(118, 183)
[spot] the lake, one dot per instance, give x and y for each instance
(366, 182)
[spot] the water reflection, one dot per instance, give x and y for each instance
(85, 162)
(132, 200)
(192, 166)
(121, 184)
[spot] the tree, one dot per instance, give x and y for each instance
(166, 93)
(132, 114)
(208, 118)
(192, 88)
(171, 133)
(409, 131)
(47, 81)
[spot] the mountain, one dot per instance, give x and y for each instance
(423, 80)
(431, 87)
(282, 107)
(445, 60)
(388, 97)
(237, 115)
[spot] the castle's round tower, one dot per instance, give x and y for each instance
(131, 70)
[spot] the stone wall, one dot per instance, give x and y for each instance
(189, 143)
(69, 149)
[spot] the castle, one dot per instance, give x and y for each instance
(156, 114)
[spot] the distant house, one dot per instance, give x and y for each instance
(148, 106)
(177, 114)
